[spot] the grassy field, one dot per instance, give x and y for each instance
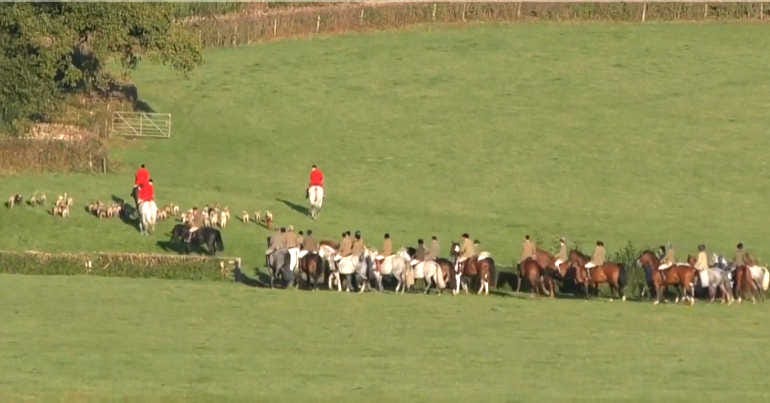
(594, 131)
(97, 339)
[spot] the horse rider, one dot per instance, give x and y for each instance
(702, 264)
(560, 256)
(742, 257)
(316, 183)
(358, 247)
(346, 246)
(466, 251)
(309, 243)
(528, 250)
(435, 248)
(291, 243)
(141, 177)
(420, 253)
(146, 192)
(300, 238)
(597, 260)
(196, 221)
(387, 248)
(669, 258)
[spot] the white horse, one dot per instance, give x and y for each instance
(430, 271)
(316, 196)
(394, 265)
(148, 213)
(351, 266)
(718, 279)
(761, 277)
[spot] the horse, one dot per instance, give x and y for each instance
(614, 274)
(316, 196)
(534, 273)
(355, 269)
(714, 278)
(312, 265)
(680, 275)
(432, 273)
(481, 267)
(761, 276)
(278, 264)
(148, 216)
(394, 265)
(211, 237)
(743, 283)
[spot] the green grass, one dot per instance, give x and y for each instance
(96, 339)
(646, 133)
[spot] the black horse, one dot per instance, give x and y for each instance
(210, 237)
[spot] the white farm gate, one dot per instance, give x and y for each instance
(141, 124)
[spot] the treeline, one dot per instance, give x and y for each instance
(49, 50)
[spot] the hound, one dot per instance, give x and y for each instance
(245, 216)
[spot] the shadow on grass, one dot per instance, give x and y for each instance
(128, 213)
(296, 207)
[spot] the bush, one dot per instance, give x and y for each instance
(114, 265)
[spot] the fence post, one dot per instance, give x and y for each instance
(362, 16)
(464, 12)
(141, 115)
(644, 11)
(275, 26)
(318, 24)
(434, 12)
(761, 10)
(705, 10)
(518, 11)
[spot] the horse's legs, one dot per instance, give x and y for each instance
(428, 282)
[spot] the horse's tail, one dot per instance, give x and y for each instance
(492, 274)
(218, 242)
(765, 279)
(622, 278)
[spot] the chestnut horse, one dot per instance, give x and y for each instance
(743, 283)
(537, 277)
(471, 268)
(614, 274)
(546, 263)
(311, 264)
(682, 276)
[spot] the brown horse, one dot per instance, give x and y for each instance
(614, 274)
(312, 266)
(682, 276)
(744, 283)
(447, 268)
(547, 263)
(537, 277)
(472, 269)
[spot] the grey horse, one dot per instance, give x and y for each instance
(278, 263)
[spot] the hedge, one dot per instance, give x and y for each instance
(117, 265)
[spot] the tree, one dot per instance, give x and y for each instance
(48, 49)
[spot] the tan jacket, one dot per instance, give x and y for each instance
(358, 247)
(346, 246)
(310, 244)
(669, 258)
(291, 240)
(740, 258)
(276, 241)
(703, 261)
(562, 255)
(466, 249)
(197, 219)
(420, 253)
(599, 256)
(528, 249)
(435, 249)
(387, 247)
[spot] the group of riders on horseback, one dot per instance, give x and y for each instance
(661, 270)
(289, 254)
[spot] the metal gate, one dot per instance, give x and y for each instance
(141, 124)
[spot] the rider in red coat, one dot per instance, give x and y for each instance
(142, 176)
(316, 177)
(147, 192)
